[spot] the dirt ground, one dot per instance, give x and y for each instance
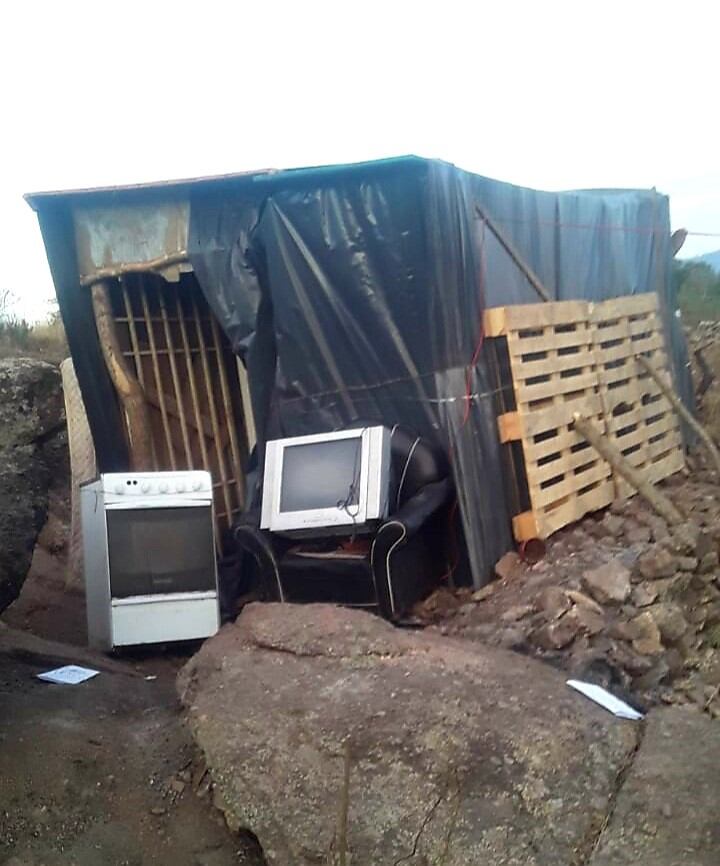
(105, 771)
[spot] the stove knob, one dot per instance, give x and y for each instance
(197, 484)
(163, 487)
(180, 487)
(119, 489)
(145, 486)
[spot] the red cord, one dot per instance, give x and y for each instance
(655, 229)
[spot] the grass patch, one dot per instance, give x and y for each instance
(18, 337)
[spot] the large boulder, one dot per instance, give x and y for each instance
(453, 752)
(667, 810)
(31, 418)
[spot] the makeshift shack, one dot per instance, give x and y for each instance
(345, 292)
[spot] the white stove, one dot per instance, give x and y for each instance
(149, 558)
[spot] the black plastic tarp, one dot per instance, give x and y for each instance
(357, 292)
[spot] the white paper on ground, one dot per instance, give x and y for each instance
(605, 699)
(69, 674)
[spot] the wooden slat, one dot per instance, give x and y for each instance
(147, 353)
(519, 345)
(562, 463)
(565, 441)
(179, 397)
(542, 390)
(136, 353)
(542, 524)
(194, 396)
(623, 330)
(156, 370)
(213, 409)
(524, 370)
(569, 484)
(576, 508)
(627, 305)
(629, 349)
(527, 316)
(557, 416)
(227, 402)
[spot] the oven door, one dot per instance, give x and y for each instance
(160, 550)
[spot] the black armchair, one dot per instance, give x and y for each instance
(387, 571)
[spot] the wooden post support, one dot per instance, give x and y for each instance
(619, 464)
(681, 410)
(127, 386)
(518, 260)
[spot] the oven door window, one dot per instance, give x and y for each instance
(160, 550)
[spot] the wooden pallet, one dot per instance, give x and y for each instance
(573, 356)
(639, 419)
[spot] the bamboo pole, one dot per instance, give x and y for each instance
(175, 378)
(156, 372)
(229, 414)
(619, 464)
(127, 386)
(680, 409)
(213, 411)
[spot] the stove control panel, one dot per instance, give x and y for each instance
(146, 484)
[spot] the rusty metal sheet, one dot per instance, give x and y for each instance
(108, 236)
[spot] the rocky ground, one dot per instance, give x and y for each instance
(619, 599)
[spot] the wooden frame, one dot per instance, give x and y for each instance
(173, 352)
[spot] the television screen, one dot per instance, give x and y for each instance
(321, 475)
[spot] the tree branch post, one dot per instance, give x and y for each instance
(609, 452)
(681, 409)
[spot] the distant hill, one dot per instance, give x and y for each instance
(712, 259)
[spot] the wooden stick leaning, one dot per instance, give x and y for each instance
(127, 386)
(609, 452)
(515, 256)
(166, 261)
(681, 410)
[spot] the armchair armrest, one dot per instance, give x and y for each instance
(399, 557)
(250, 539)
(416, 511)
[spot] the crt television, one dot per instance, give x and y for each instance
(326, 481)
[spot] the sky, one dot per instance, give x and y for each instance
(552, 95)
